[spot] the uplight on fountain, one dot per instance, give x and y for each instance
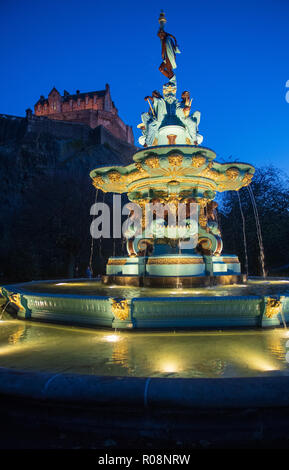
(175, 274)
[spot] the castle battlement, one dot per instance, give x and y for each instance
(91, 108)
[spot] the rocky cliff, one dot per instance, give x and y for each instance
(46, 195)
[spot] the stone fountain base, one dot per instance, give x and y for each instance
(176, 270)
(257, 304)
(174, 281)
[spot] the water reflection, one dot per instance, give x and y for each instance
(34, 346)
(120, 353)
(276, 343)
(17, 335)
(253, 287)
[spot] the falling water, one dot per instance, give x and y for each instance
(92, 241)
(244, 235)
(123, 245)
(283, 320)
(145, 264)
(179, 284)
(282, 313)
(259, 233)
(100, 239)
(4, 309)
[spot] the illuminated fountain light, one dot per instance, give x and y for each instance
(169, 366)
(112, 338)
(282, 281)
(233, 286)
(258, 362)
(75, 284)
(181, 291)
(263, 365)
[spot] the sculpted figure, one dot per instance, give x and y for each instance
(152, 120)
(212, 210)
(213, 218)
(191, 122)
(169, 51)
(169, 92)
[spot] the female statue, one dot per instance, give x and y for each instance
(169, 51)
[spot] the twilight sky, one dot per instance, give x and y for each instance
(234, 60)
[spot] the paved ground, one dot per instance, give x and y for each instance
(28, 425)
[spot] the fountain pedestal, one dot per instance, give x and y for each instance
(173, 270)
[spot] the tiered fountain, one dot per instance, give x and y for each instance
(175, 272)
(173, 169)
(178, 177)
(150, 387)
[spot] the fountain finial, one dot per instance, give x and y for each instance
(162, 19)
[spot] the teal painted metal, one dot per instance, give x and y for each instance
(71, 309)
(159, 266)
(147, 312)
(74, 309)
(199, 312)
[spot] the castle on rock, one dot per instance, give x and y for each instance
(93, 108)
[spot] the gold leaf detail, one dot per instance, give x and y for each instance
(207, 170)
(114, 176)
(120, 309)
(152, 162)
(273, 307)
(198, 161)
(175, 160)
(232, 173)
(116, 262)
(16, 299)
(204, 245)
(175, 261)
(247, 179)
(98, 181)
(139, 166)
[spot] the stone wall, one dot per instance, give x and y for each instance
(91, 108)
(93, 119)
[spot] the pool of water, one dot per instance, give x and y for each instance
(97, 288)
(30, 346)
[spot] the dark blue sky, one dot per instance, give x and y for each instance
(234, 60)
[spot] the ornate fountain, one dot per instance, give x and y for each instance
(175, 274)
(174, 173)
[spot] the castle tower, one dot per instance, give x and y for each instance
(94, 108)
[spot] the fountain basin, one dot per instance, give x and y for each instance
(244, 353)
(258, 303)
(123, 385)
(178, 394)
